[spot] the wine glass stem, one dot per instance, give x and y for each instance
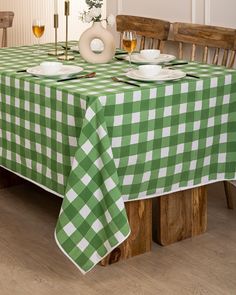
(130, 58)
(38, 39)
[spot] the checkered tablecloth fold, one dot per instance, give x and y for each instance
(90, 226)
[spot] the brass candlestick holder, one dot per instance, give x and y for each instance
(67, 13)
(56, 52)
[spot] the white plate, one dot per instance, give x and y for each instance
(65, 71)
(163, 75)
(139, 59)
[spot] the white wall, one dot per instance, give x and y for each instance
(215, 12)
(221, 12)
(167, 9)
(26, 10)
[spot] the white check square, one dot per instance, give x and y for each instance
(85, 211)
(222, 158)
(97, 226)
(162, 172)
(83, 244)
(118, 120)
(166, 132)
(167, 111)
(86, 179)
(128, 179)
(164, 152)
(69, 229)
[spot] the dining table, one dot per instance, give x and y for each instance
(101, 144)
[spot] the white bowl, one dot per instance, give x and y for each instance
(150, 53)
(149, 71)
(50, 67)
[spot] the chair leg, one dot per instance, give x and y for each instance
(228, 194)
(4, 37)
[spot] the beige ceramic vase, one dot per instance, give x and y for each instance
(97, 31)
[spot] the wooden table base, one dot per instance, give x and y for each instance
(175, 217)
(140, 240)
(229, 194)
(180, 215)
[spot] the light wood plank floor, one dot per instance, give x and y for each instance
(32, 264)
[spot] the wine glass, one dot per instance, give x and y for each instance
(129, 40)
(38, 28)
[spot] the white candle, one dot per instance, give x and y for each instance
(55, 6)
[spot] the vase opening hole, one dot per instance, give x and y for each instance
(97, 45)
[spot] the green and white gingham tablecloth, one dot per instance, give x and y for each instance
(99, 143)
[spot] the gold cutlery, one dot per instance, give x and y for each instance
(175, 64)
(187, 74)
(115, 79)
(64, 47)
(89, 75)
(192, 76)
(21, 71)
(119, 58)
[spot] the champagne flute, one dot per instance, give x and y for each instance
(129, 40)
(38, 28)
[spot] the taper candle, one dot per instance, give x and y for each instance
(56, 52)
(67, 13)
(55, 6)
(67, 7)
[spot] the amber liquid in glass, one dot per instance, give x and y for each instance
(129, 45)
(38, 31)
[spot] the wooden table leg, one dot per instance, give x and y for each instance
(180, 215)
(140, 240)
(229, 194)
(8, 179)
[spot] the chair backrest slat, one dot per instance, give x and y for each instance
(216, 56)
(193, 52)
(142, 42)
(232, 59)
(148, 29)
(205, 54)
(151, 43)
(225, 57)
(207, 37)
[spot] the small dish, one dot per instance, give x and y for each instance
(150, 53)
(50, 67)
(149, 71)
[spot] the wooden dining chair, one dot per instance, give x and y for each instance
(6, 19)
(220, 42)
(152, 33)
(204, 37)
(230, 187)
